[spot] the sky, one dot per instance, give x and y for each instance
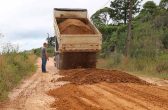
(25, 23)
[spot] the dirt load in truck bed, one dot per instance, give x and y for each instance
(74, 26)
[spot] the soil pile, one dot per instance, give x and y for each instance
(98, 89)
(109, 96)
(74, 26)
(90, 76)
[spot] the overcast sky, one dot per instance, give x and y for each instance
(27, 22)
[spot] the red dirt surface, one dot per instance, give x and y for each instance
(98, 89)
(68, 96)
(110, 96)
(90, 76)
(74, 26)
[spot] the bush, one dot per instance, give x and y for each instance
(155, 67)
(14, 67)
(165, 41)
(50, 51)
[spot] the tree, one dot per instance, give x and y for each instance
(149, 7)
(128, 41)
(120, 9)
(50, 41)
(164, 4)
(102, 17)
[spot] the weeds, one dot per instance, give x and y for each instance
(13, 68)
(157, 67)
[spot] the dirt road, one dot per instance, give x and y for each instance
(98, 89)
(31, 94)
(89, 90)
(105, 96)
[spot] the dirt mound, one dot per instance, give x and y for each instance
(109, 96)
(90, 76)
(74, 26)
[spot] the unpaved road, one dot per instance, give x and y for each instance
(44, 92)
(31, 94)
(98, 89)
(106, 96)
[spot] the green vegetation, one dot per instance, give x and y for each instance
(145, 66)
(50, 49)
(14, 66)
(148, 53)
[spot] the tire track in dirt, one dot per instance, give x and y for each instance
(105, 98)
(151, 100)
(128, 96)
(133, 100)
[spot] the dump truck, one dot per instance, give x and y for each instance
(77, 39)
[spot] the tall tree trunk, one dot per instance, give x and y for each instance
(125, 12)
(128, 41)
(125, 17)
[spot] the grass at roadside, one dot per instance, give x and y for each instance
(144, 66)
(13, 68)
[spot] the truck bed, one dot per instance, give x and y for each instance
(77, 42)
